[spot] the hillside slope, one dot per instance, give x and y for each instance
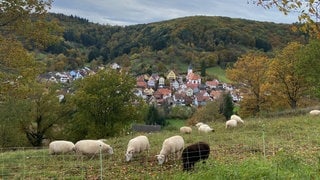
(272, 148)
(168, 44)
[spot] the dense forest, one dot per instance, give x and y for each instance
(158, 47)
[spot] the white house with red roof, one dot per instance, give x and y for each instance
(212, 84)
(193, 78)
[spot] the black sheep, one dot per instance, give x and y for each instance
(194, 153)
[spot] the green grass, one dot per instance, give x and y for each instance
(273, 148)
(218, 72)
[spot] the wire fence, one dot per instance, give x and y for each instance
(29, 163)
(36, 163)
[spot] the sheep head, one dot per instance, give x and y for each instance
(161, 158)
(129, 155)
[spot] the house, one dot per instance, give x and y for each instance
(216, 94)
(202, 97)
(189, 92)
(194, 87)
(53, 79)
(146, 77)
(139, 92)
(140, 78)
(193, 78)
(162, 93)
(151, 82)
(148, 91)
(171, 75)
(75, 75)
(161, 82)
(141, 84)
(174, 84)
(179, 98)
(155, 76)
(115, 66)
(213, 84)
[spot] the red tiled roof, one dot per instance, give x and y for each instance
(192, 86)
(212, 83)
(215, 94)
(140, 78)
(193, 76)
(200, 97)
(164, 91)
(141, 84)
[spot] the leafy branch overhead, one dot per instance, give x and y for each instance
(307, 10)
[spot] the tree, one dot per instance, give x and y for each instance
(43, 115)
(105, 105)
(203, 68)
(308, 11)
(155, 116)
(287, 85)
(22, 25)
(28, 121)
(208, 113)
(25, 21)
(18, 69)
(10, 131)
(226, 107)
(250, 73)
(309, 65)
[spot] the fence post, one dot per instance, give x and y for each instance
(263, 142)
(101, 168)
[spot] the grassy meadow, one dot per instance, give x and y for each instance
(219, 73)
(273, 148)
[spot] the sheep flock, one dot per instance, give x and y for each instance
(173, 148)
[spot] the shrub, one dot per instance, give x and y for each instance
(181, 112)
(207, 113)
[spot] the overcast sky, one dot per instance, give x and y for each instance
(129, 12)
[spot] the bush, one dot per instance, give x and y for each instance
(155, 116)
(181, 112)
(207, 113)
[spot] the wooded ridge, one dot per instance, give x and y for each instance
(160, 46)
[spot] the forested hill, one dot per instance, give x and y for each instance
(168, 44)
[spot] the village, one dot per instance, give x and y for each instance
(173, 89)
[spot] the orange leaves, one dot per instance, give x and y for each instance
(250, 72)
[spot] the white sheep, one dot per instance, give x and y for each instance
(171, 145)
(92, 147)
(205, 129)
(61, 147)
(237, 118)
(231, 123)
(185, 130)
(199, 124)
(314, 112)
(137, 145)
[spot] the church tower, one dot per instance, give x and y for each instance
(189, 70)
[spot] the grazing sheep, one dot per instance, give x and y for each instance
(205, 129)
(231, 123)
(194, 153)
(170, 145)
(314, 112)
(237, 118)
(92, 147)
(199, 124)
(137, 145)
(61, 147)
(185, 130)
